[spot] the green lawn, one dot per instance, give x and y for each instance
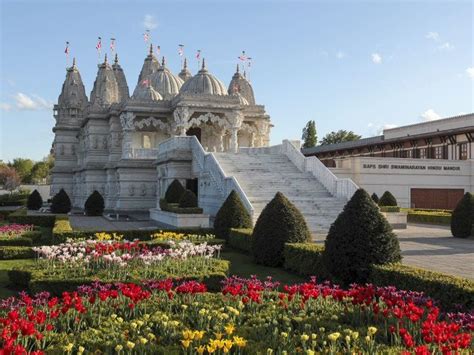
(6, 265)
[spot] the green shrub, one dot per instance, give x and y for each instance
(16, 252)
(35, 201)
(442, 218)
(463, 217)
(34, 235)
(280, 222)
(94, 205)
(16, 241)
(20, 216)
(305, 259)
(389, 209)
(174, 208)
(387, 199)
(241, 239)
(358, 238)
(188, 200)
(375, 198)
(232, 214)
(14, 199)
(61, 202)
(174, 192)
(450, 291)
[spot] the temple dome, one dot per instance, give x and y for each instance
(146, 93)
(241, 85)
(150, 66)
(121, 80)
(185, 74)
(73, 93)
(204, 83)
(165, 82)
(242, 100)
(106, 89)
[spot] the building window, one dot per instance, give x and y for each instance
(409, 153)
(463, 151)
(439, 152)
(422, 153)
(146, 143)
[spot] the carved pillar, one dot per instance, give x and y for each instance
(126, 120)
(181, 117)
(235, 119)
(252, 139)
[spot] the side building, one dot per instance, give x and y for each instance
(425, 165)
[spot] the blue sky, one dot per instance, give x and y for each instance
(350, 65)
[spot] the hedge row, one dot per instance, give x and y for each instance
(389, 209)
(14, 199)
(174, 208)
(241, 239)
(442, 218)
(16, 252)
(20, 216)
(451, 291)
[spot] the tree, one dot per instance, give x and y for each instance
(339, 137)
(375, 198)
(309, 137)
(35, 201)
(188, 200)
(280, 222)
(61, 203)
(94, 205)
(358, 238)
(9, 178)
(462, 218)
(23, 167)
(232, 214)
(388, 199)
(174, 192)
(39, 172)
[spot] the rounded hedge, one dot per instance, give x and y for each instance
(94, 205)
(358, 238)
(232, 214)
(375, 198)
(280, 222)
(387, 199)
(462, 218)
(188, 200)
(35, 201)
(61, 202)
(174, 192)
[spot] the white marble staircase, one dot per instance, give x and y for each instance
(262, 172)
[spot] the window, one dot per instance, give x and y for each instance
(422, 153)
(146, 143)
(463, 151)
(409, 153)
(438, 152)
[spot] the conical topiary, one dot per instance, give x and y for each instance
(94, 205)
(174, 192)
(61, 202)
(232, 214)
(387, 199)
(375, 198)
(359, 238)
(188, 200)
(280, 222)
(462, 218)
(35, 201)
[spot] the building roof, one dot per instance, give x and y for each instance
(240, 84)
(165, 82)
(204, 83)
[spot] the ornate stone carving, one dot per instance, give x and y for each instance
(181, 115)
(143, 189)
(126, 120)
(131, 190)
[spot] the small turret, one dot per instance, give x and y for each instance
(185, 74)
(239, 84)
(150, 66)
(121, 80)
(106, 89)
(73, 97)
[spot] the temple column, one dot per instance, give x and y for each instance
(181, 117)
(235, 119)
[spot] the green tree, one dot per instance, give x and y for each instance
(9, 178)
(310, 138)
(40, 172)
(463, 217)
(94, 205)
(23, 168)
(232, 214)
(339, 137)
(388, 199)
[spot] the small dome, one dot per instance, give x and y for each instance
(146, 93)
(165, 82)
(241, 85)
(242, 100)
(204, 83)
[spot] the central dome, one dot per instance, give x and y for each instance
(204, 83)
(165, 82)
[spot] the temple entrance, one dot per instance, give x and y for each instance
(194, 131)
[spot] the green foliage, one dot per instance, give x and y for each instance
(35, 201)
(188, 200)
(305, 259)
(339, 137)
(358, 238)
(9, 178)
(174, 192)
(375, 198)
(95, 204)
(16, 241)
(23, 167)
(61, 202)
(280, 222)
(443, 218)
(309, 137)
(463, 217)
(389, 209)
(14, 199)
(387, 199)
(40, 172)
(232, 214)
(16, 252)
(241, 239)
(450, 291)
(20, 216)
(174, 208)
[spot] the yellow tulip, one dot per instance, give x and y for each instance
(218, 336)
(240, 342)
(200, 349)
(68, 347)
(80, 350)
(130, 345)
(334, 336)
(304, 337)
(372, 330)
(143, 340)
(229, 329)
(210, 348)
(118, 348)
(186, 343)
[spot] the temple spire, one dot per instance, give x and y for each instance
(238, 69)
(203, 64)
(74, 63)
(163, 62)
(185, 65)
(151, 49)
(105, 59)
(116, 59)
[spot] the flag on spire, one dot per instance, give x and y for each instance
(146, 36)
(243, 56)
(180, 49)
(158, 50)
(198, 54)
(249, 62)
(146, 82)
(67, 49)
(99, 44)
(112, 45)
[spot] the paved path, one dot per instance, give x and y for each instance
(103, 224)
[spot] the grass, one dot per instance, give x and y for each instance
(5, 265)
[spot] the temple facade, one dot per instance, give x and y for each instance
(110, 141)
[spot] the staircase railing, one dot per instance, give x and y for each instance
(343, 188)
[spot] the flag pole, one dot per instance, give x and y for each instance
(67, 54)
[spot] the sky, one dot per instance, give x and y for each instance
(355, 65)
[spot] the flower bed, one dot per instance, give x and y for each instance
(14, 230)
(70, 264)
(18, 235)
(247, 316)
(166, 236)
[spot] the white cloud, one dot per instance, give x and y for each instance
(429, 115)
(340, 55)
(446, 46)
(5, 107)
(470, 72)
(376, 58)
(432, 35)
(150, 22)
